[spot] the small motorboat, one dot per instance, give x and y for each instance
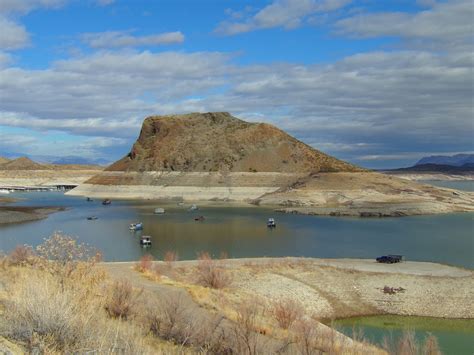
(199, 218)
(136, 226)
(145, 241)
(271, 223)
(89, 199)
(193, 208)
(106, 202)
(92, 218)
(159, 210)
(4, 191)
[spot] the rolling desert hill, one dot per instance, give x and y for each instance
(26, 172)
(215, 157)
(207, 142)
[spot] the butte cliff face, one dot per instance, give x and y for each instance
(219, 142)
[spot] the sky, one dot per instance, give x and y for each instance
(374, 82)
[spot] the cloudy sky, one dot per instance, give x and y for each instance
(379, 83)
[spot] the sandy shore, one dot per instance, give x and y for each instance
(44, 177)
(333, 288)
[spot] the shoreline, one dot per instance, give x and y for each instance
(332, 288)
(22, 214)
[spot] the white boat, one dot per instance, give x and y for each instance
(145, 241)
(4, 192)
(136, 226)
(159, 210)
(193, 208)
(271, 223)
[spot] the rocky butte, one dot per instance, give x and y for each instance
(215, 157)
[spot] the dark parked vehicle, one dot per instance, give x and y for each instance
(389, 259)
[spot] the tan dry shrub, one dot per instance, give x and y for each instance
(20, 256)
(306, 337)
(170, 257)
(171, 319)
(407, 345)
(49, 318)
(286, 312)
(121, 299)
(145, 263)
(431, 347)
(211, 274)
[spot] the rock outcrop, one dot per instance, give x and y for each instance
(219, 142)
(217, 157)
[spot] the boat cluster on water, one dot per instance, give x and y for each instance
(145, 240)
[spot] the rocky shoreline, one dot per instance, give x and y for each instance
(336, 288)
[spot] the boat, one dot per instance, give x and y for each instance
(4, 192)
(193, 208)
(159, 210)
(271, 223)
(145, 240)
(106, 202)
(89, 199)
(92, 218)
(199, 218)
(136, 226)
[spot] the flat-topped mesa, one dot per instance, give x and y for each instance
(219, 142)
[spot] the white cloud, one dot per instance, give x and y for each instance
(115, 39)
(13, 35)
(24, 6)
(281, 13)
(446, 23)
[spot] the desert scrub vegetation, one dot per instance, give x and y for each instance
(53, 302)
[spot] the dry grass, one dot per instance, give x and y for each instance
(48, 316)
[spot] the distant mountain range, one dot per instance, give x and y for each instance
(455, 164)
(454, 160)
(24, 163)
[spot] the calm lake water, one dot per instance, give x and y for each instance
(466, 185)
(242, 232)
(455, 336)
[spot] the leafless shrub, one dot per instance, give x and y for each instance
(170, 257)
(223, 255)
(145, 263)
(20, 256)
(407, 344)
(121, 299)
(170, 319)
(286, 312)
(306, 337)
(244, 330)
(431, 347)
(210, 274)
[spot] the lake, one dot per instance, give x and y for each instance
(242, 232)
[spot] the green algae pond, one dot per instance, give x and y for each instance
(455, 336)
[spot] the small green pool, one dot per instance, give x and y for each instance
(455, 336)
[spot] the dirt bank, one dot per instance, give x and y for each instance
(19, 214)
